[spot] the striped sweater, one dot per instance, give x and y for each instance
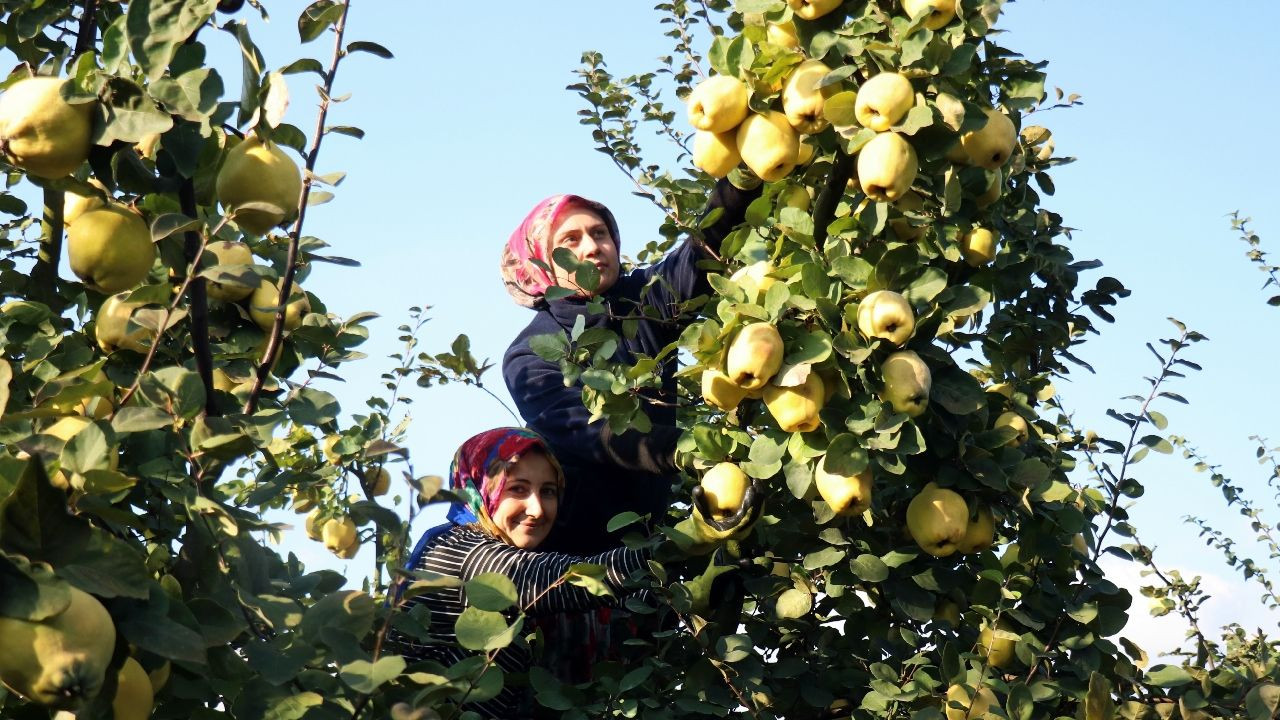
(464, 552)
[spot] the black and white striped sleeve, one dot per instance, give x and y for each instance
(534, 572)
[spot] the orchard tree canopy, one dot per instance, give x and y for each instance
(879, 355)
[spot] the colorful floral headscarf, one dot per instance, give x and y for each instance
(527, 256)
(486, 456)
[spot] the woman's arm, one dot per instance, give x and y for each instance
(557, 413)
(536, 575)
(677, 278)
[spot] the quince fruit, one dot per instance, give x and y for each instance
(229, 252)
(846, 494)
(937, 519)
(724, 486)
(262, 306)
(113, 329)
(134, 694)
(59, 662)
(110, 249)
(754, 356)
(259, 172)
(42, 133)
(796, 408)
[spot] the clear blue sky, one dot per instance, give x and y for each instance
(470, 125)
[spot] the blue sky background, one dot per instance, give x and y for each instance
(470, 125)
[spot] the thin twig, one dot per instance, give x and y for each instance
(276, 337)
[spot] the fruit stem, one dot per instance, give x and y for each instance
(276, 336)
(825, 207)
(198, 298)
(44, 276)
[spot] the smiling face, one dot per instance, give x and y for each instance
(587, 236)
(529, 501)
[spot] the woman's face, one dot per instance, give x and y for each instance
(527, 507)
(587, 236)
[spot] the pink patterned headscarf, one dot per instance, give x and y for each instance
(479, 471)
(527, 256)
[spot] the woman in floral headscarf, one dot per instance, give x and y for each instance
(511, 488)
(612, 472)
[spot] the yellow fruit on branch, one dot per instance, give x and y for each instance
(887, 167)
(724, 486)
(719, 391)
(313, 525)
(59, 662)
(257, 172)
(991, 145)
(1017, 423)
(938, 12)
(113, 329)
(754, 356)
(754, 278)
(134, 694)
(796, 408)
(263, 304)
(937, 519)
(978, 246)
(42, 133)
(802, 99)
(74, 204)
(1000, 652)
(887, 315)
(716, 154)
(883, 100)
(110, 249)
(783, 35)
(907, 383)
(377, 481)
(717, 104)
(846, 494)
(340, 538)
(971, 705)
(768, 145)
(980, 533)
(813, 9)
(228, 252)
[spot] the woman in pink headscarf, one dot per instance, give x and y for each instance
(611, 472)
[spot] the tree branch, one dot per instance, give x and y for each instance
(276, 337)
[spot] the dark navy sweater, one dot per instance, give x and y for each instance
(610, 473)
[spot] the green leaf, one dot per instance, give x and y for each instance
(621, 520)
(317, 18)
(484, 630)
(1168, 676)
(854, 271)
(131, 115)
(372, 48)
(590, 577)
(87, 450)
(823, 558)
(31, 592)
(846, 456)
(169, 223)
(869, 568)
(957, 391)
(366, 677)
(313, 407)
(734, 648)
(1098, 704)
(491, 591)
(194, 95)
(156, 28)
(1262, 700)
(635, 678)
(808, 347)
